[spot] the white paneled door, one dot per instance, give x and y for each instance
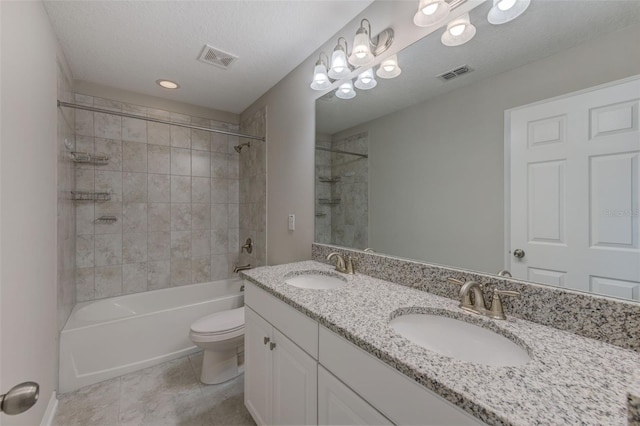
(575, 186)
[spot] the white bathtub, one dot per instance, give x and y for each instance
(110, 337)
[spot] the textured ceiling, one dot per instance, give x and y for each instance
(131, 44)
(547, 27)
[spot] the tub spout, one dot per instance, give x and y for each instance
(237, 268)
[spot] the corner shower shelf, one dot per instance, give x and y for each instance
(331, 201)
(90, 196)
(329, 179)
(106, 220)
(86, 158)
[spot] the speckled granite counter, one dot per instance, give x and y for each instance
(570, 380)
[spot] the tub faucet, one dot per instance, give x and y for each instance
(237, 268)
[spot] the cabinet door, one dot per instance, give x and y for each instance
(257, 373)
(339, 405)
(295, 384)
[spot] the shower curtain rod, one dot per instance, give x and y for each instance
(337, 151)
(156, 120)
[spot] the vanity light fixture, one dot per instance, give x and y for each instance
(345, 91)
(339, 64)
(504, 11)
(167, 84)
(431, 12)
(459, 31)
(320, 78)
(365, 48)
(389, 68)
(366, 80)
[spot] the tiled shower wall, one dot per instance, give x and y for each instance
(323, 191)
(346, 222)
(174, 191)
(66, 226)
(253, 190)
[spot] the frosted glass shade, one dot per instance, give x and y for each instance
(361, 55)
(431, 12)
(504, 11)
(320, 78)
(459, 31)
(339, 65)
(389, 68)
(366, 80)
(345, 91)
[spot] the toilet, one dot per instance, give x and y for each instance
(221, 335)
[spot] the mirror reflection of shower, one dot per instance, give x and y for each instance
(238, 148)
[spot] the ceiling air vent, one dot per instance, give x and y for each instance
(456, 72)
(212, 56)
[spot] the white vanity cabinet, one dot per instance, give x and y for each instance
(297, 372)
(281, 379)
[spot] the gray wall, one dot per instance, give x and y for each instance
(437, 193)
(291, 133)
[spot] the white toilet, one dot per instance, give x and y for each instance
(221, 335)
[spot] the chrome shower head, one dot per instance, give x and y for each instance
(238, 148)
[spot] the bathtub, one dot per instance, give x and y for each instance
(107, 338)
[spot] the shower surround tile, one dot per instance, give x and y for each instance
(160, 180)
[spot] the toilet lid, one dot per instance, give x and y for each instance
(220, 322)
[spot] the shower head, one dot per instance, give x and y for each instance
(238, 148)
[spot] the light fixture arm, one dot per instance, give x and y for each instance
(320, 61)
(381, 42)
(346, 46)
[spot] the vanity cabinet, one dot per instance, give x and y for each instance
(281, 367)
(298, 372)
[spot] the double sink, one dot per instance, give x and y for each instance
(454, 338)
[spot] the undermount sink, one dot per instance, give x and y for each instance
(460, 340)
(316, 281)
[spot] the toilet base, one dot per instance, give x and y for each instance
(219, 367)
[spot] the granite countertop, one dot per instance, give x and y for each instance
(570, 379)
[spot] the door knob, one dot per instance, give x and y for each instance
(19, 398)
(519, 253)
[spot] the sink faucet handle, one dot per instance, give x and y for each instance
(455, 281)
(349, 266)
(497, 311)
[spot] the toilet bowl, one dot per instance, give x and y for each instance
(221, 335)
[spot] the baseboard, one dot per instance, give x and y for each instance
(49, 414)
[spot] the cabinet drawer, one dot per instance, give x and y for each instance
(339, 405)
(396, 396)
(301, 329)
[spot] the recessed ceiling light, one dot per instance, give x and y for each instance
(168, 84)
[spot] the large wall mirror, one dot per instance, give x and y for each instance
(415, 167)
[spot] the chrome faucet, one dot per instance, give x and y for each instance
(346, 267)
(477, 305)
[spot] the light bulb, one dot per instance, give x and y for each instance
(457, 30)
(389, 68)
(431, 13)
(506, 4)
(431, 9)
(345, 91)
(504, 11)
(366, 80)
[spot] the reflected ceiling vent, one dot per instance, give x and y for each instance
(456, 72)
(212, 56)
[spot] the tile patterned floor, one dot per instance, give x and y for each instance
(165, 394)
